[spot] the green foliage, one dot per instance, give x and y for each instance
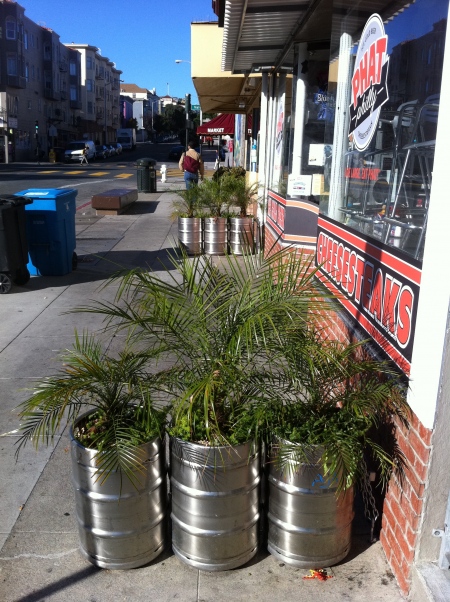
(213, 196)
(187, 204)
(238, 193)
(132, 123)
(118, 391)
(334, 398)
(224, 329)
(234, 172)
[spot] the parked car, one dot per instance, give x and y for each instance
(118, 147)
(75, 149)
(101, 152)
(176, 152)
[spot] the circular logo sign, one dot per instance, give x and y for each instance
(369, 83)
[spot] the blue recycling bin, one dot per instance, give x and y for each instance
(50, 224)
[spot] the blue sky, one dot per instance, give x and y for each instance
(143, 37)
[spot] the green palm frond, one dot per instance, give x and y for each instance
(118, 392)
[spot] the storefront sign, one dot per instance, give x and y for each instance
(369, 82)
(299, 185)
(375, 284)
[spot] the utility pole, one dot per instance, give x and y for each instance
(187, 108)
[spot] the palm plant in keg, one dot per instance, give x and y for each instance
(117, 423)
(186, 208)
(240, 197)
(215, 202)
(324, 434)
(221, 324)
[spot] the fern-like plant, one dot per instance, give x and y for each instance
(335, 398)
(118, 394)
(224, 329)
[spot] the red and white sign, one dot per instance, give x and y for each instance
(378, 287)
(369, 83)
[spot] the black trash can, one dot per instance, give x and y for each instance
(13, 243)
(146, 175)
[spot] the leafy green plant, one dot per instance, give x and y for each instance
(187, 203)
(239, 194)
(223, 328)
(117, 392)
(213, 197)
(234, 172)
(335, 397)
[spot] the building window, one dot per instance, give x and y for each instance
(89, 85)
(11, 65)
(73, 93)
(90, 107)
(27, 72)
(89, 62)
(33, 72)
(73, 68)
(11, 30)
(25, 40)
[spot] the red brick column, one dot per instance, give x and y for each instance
(404, 502)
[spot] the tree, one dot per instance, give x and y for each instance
(132, 123)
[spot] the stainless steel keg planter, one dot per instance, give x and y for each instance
(241, 236)
(190, 234)
(309, 524)
(215, 235)
(120, 526)
(215, 504)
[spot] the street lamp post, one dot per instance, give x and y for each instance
(152, 103)
(187, 104)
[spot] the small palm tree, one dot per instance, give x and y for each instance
(222, 327)
(187, 203)
(118, 392)
(335, 398)
(239, 193)
(213, 197)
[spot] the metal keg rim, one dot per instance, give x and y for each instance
(197, 454)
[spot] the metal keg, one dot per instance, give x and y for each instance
(241, 238)
(190, 234)
(120, 526)
(309, 524)
(215, 235)
(215, 504)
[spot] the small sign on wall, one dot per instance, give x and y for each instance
(299, 185)
(317, 184)
(316, 155)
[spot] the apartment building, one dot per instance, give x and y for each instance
(146, 104)
(50, 92)
(100, 90)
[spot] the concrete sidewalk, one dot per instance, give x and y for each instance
(39, 557)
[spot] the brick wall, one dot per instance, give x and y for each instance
(404, 502)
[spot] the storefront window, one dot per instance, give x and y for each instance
(385, 78)
(282, 117)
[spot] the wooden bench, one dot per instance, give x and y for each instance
(113, 202)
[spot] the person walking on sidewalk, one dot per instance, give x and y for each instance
(84, 156)
(192, 164)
